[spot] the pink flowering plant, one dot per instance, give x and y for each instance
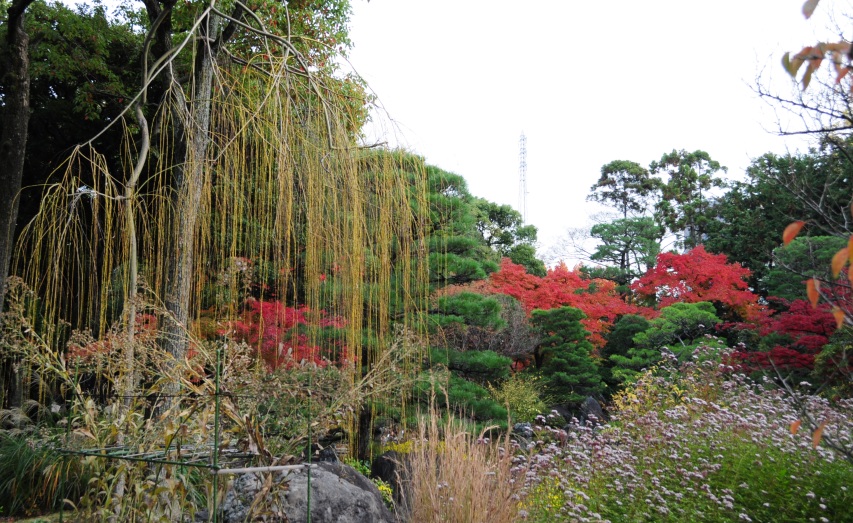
(700, 442)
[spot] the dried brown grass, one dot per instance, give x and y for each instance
(456, 476)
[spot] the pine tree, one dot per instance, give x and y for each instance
(564, 355)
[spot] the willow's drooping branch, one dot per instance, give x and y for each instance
(287, 44)
(130, 190)
(146, 46)
(240, 61)
(148, 81)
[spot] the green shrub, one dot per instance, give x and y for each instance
(464, 397)
(33, 475)
(569, 372)
(681, 328)
(620, 340)
(361, 466)
(521, 392)
(469, 308)
(471, 398)
(482, 366)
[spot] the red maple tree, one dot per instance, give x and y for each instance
(799, 334)
(700, 276)
(273, 329)
(597, 298)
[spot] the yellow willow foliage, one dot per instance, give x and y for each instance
(326, 225)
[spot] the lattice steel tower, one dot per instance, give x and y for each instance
(522, 177)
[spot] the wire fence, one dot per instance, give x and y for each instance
(213, 458)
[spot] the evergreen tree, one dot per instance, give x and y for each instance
(457, 253)
(620, 340)
(805, 257)
(630, 245)
(504, 231)
(468, 308)
(625, 186)
(677, 329)
(685, 204)
(564, 355)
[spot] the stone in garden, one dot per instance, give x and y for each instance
(591, 411)
(525, 430)
(339, 494)
(391, 467)
(563, 411)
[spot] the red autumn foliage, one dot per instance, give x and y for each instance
(700, 276)
(273, 330)
(810, 328)
(597, 298)
(805, 331)
(782, 358)
(270, 327)
(145, 333)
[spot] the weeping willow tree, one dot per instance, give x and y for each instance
(238, 149)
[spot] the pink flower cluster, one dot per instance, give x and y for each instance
(721, 450)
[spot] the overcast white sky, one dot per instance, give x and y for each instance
(587, 82)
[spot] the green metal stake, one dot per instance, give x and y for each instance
(310, 442)
(216, 435)
(65, 454)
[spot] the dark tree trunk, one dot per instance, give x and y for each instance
(365, 433)
(186, 203)
(191, 160)
(15, 75)
(13, 137)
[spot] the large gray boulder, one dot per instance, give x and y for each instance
(339, 494)
(592, 412)
(525, 430)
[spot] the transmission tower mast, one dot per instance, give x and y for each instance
(522, 177)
